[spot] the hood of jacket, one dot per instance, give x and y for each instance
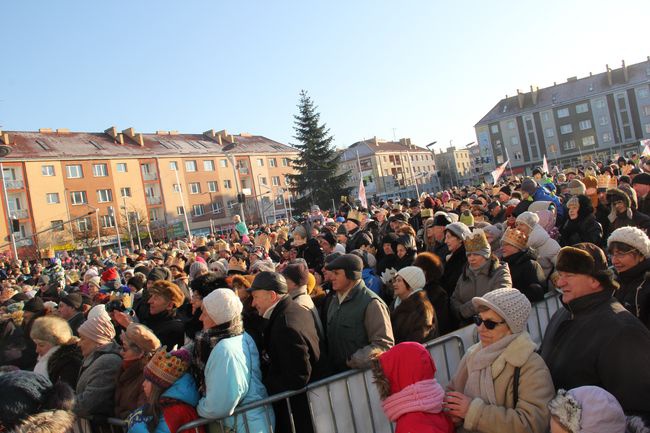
(184, 389)
(406, 364)
(538, 237)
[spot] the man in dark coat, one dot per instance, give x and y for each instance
(290, 354)
(70, 308)
(356, 236)
(527, 274)
(641, 184)
(593, 339)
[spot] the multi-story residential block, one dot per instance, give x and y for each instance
(149, 184)
(389, 167)
(454, 167)
(594, 117)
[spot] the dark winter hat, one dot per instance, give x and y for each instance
(506, 190)
(34, 305)
(538, 170)
(414, 202)
(342, 230)
(641, 179)
(529, 186)
(398, 217)
(351, 264)
(616, 194)
(266, 280)
(73, 300)
(587, 259)
(328, 237)
(159, 273)
(297, 273)
(202, 249)
(493, 204)
(441, 220)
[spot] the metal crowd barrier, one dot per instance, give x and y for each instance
(109, 425)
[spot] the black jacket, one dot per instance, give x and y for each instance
(594, 341)
(440, 302)
(527, 275)
(64, 365)
(312, 254)
(585, 228)
(453, 270)
(358, 239)
(634, 293)
(75, 322)
(169, 330)
(413, 319)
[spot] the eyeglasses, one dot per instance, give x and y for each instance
(489, 324)
(620, 254)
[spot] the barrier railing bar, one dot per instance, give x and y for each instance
(446, 357)
(365, 386)
(291, 421)
(248, 430)
(268, 418)
(354, 418)
(329, 397)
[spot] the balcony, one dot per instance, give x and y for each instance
(243, 170)
(19, 213)
(150, 176)
(14, 184)
(154, 200)
(24, 242)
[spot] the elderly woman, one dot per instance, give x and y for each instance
(455, 262)
(412, 317)
(227, 365)
(527, 275)
(431, 265)
(59, 357)
(629, 249)
(539, 239)
(138, 346)
(502, 384)
(483, 273)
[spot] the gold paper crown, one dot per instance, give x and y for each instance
(516, 238)
(200, 241)
(47, 253)
(603, 181)
(613, 183)
(164, 368)
(355, 215)
(426, 213)
(178, 262)
(125, 298)
(221, 245)
(121, 260)
(476, 241)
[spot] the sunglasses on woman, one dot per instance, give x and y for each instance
(489, 324)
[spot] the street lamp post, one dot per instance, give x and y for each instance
(187, 223)
(11, 229)
(128, 223)
(111, 213)
(231, 158)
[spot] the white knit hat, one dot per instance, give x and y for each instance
(460, 230)
(529, 218)
(222, 305)
(510, 304)
(413, 276)
(632, 236)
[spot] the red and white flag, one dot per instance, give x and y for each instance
(362, 194)
(545, 165)
(646, 147)
(496, 174)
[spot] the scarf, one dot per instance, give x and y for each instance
(399, 301)
(480, 382)
(41, 365)
(206, 340)
(423, 396)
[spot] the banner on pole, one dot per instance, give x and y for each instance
(545, 166)
(496, 174)
(362, 194)
(646, 147)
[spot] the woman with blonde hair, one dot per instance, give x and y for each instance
(59, 357)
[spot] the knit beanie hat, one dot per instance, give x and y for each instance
(222, 305)
(477, 243)
(530, 219)
(576, 187)
(73, 300)
(467, 218)
(91, 272)
(98, 327)
(529, 186)
(95, 281)
(165, 368)
(350, 263)
(51, 329)
(110, 274)
(197, 268)
(632, 236)
(141, 336)
(516, 238)
(510, 304)
(458, 229)
(413, 276)
(588, 409)
(159, 273)
(34, 305)
(496, 231)
(441, 219)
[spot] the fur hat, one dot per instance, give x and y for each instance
(165, 368)
(413, 276)
(530, 219)
(51, 329)
(159, 273)
(296, 273)
(169, 291)
(632, 236)
(587, 259)
(575, 187)
(73, 300)
(477, 243)
(516, 238)
(588, 409)
(616, 194)
(141, 336)
(459, 230)
(272, 281)
(222, 305)
(510, 304)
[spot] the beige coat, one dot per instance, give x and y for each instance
(535, 391)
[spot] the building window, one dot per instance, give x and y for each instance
(153, 215)
(104, 195)
(607, 137)
(47, 170)
(78, 197)
(223, 163)
(582, 108)
(216, 207)
(569, 144)
(57, 225)
(584, 125)
(562, 112)
(52, 198)
(107, 221)
(197, 210)
(589, 140)
(548, 132)
(232, 204)
(260, 162)
(275, 180)
(273, 162)
(190, 165)
(212, 186)
(121, 167)
(173, 165)
(227, 184)
(603, 120)
(511, 124)
(125, 192)
(180, 210)
(208, 165)
(566, 129)
(84, 224)
(285, 162)
(100, 170)
(494, 129)
(286, 179)
(646, 110)
(74, 171)
(643, 92)
(263, 180)
(599, 103)
(545, 116)
(647, 128)
(195, 188)
(514, 140)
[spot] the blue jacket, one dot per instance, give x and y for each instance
(183, 390)
(542, 194)
(373, 282)
(233, 378)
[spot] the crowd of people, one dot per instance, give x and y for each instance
(199, 327)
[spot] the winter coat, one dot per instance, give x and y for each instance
(585, 228)
(634, 293)
(75, 322)
(414, 319)
(356, 239)
(373, 282)
(535, 390)
(233, 378)
(545, 247)
(542, 194)
(440, 302)
(177, 409)
(490, 276)
(97, 379)
(527, 275)
(128, 390)
(64, 365)
(55, 421)
(312, 254)
(167, 327)
(594, 340)
(638, 219)
(454, 265)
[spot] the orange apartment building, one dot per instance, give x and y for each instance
(135, 184)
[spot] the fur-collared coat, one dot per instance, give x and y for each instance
(57, 421)
(535, 391)
(414, 319)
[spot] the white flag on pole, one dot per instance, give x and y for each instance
(496, 174)
(362, 194)
(646, 147)
(545, 165)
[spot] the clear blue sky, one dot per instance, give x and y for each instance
(426, 69)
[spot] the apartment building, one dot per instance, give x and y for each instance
(144, 184)
(595, 117)
(455, 167)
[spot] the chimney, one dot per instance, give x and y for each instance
(173, 132)
(625, 75)
(376, 141)
(137, 137)
(162, 132)
(112, 132)
(62, 131)
(245, 134)
(5, 138)
(609, 75)
(219, 140)
(520, 99)
(209, 133)
(44, 130)
(533, 93)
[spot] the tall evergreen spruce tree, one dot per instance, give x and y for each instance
(317, 180)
